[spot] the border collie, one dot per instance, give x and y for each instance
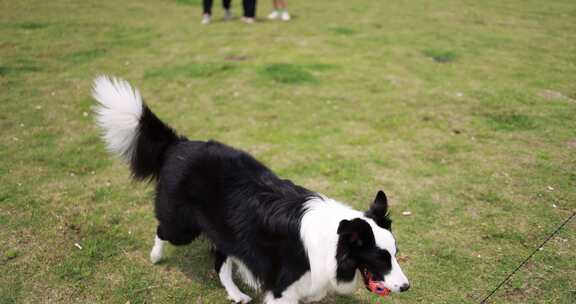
(292, 244)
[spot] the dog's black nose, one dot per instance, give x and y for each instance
(404, 287)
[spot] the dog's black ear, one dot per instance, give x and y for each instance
(354, 236)
(379, 211)
(355, 233)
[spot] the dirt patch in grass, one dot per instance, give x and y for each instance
(236, 58)
(7, 45)
(517, 294)
(554, 95)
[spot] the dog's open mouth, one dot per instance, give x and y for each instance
(374, 286)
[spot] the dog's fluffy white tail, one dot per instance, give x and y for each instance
(118, 114)
(130, 129)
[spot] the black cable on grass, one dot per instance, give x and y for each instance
(529, 257)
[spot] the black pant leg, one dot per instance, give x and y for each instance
(207, 4)
(249, 8)
(226, 4)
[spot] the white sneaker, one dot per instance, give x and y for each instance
(248, 20)
(206, 19)
(285, 16)
(274, 15)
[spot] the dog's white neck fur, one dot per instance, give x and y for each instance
(318, 232)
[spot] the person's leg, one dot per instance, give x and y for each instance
(249, 10)
(207, 6)
(275, 14)
(284, 15)
(227, 4)
(245, 6)
(280, 4)
(280, 11)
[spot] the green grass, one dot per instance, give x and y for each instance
(440, 56)
(462, 111)
(287, 73)
(194, 70)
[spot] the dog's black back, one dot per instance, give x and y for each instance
(238, 203)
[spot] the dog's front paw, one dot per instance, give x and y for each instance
(155, 255)
(241, 298)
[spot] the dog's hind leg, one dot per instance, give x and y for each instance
(223, 266)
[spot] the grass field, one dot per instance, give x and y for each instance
(462, 111)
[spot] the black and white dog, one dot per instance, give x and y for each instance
(291, 243)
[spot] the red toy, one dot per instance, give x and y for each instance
(376, 287)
